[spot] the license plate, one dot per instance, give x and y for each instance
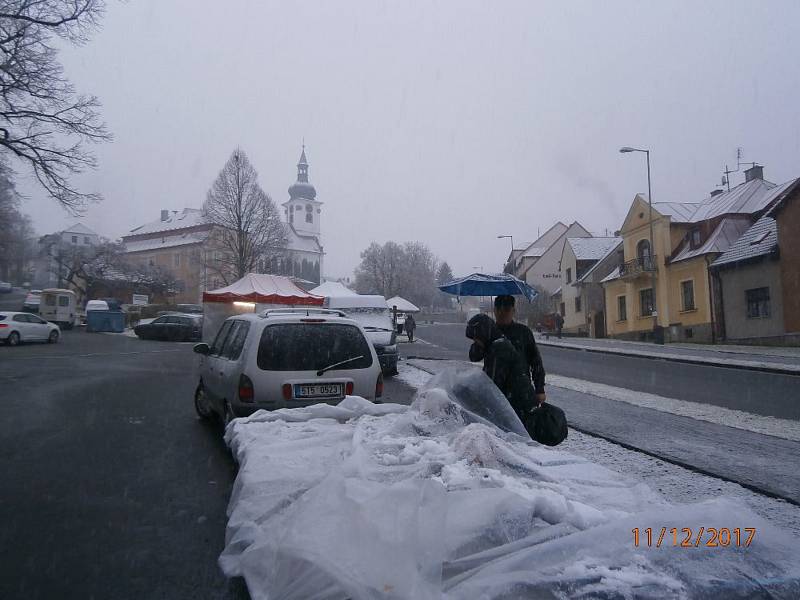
(318, 390)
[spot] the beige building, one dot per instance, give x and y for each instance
(582, 298)
(687, 238)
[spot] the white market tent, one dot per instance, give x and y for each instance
(252, 293)
(332, 289)
(402, 305)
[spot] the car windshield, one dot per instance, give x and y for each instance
(312, 346)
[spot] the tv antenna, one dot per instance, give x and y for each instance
(726, 177)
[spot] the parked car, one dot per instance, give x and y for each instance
(19, 327)
(376, 318)
(284, 359)
(177, 327)
(5, 287)
(32, 300)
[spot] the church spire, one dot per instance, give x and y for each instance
(302, 188)
(302, 166)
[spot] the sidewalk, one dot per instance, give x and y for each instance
(776, 360)
(756, 461)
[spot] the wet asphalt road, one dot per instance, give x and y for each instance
(111, 487)
(750, 391)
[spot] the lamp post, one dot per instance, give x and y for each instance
(510, 256)
(625, 150)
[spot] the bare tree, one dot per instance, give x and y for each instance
(44, 123)
(247, 228)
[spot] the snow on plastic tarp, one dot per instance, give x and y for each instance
(448, 498)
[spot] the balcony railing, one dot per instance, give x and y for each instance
(638, 267)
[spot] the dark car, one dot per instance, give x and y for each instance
(174, 328)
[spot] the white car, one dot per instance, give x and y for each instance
(284, 359)
(18, 327)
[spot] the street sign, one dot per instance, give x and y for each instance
(140, 299)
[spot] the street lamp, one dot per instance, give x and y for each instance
(625, 150)
(510, 256)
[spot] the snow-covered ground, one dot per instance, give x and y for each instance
(434, 501)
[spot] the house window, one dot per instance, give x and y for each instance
(151, 262)
(622, 309)
(757, 303)
(177, 260)
(309, 217)
(687, 294)
(563, 309)
(74, 239)
(646, 302)
(86, 240)
(569, 275)
(694, 241)
(577, 304)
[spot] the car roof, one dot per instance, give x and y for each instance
(15, 312)
(292, 318)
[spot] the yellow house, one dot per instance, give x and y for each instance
(687, 237)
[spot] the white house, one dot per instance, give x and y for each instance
(544, 271)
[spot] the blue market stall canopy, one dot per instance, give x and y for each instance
(479, 284)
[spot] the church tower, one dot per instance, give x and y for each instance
(302, 209)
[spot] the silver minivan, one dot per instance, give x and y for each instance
(285, 358)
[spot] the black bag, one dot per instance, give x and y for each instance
(547, 424)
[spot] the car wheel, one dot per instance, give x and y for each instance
(202, 404)
(53, 338)
(13, 339)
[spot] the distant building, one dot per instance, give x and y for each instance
(45, 269)
(541, 259)
(585, 261)
(179, 241)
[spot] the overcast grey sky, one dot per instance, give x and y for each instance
(447, 122)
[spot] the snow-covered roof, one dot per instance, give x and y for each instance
(611, 276)
(611, 249)
(721, 239)
(557, 292)
(535, 252)
(592, 248)
(746, 198)
(188, 217)
(264, 289)
(402, 304)
(79, 228)
(357, 301)
(299, 241)
(548, 238)
(169, 241)
(681, 212)
(761, 239)
(332, 288)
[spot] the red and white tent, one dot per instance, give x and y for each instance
(264, 289)
(252, 293)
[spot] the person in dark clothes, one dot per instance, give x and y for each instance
(411, 325)
(522, 337)
(502, 363)
(559, 324)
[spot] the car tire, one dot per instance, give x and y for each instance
(201, 403)
(53, 337)
(13, 339)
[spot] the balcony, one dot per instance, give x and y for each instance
(638, 267)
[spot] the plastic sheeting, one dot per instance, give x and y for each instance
(449, 499)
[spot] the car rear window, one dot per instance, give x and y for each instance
(2, 317)
(312, 346)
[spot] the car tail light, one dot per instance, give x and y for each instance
(287, 391)
(246, 391)
(3, 325)
(379, 386)
(348, 389)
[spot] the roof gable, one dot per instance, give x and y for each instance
(639, 214)
(79, 228)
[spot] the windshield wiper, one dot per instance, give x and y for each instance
(334, 365)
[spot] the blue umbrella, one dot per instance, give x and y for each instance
(479, 284)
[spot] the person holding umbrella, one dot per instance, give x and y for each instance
(522, 338)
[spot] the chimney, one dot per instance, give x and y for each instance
(716, 192)
(164, 215)
(754, 172)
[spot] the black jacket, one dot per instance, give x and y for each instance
(523, 340)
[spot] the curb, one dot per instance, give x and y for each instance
(777, 369)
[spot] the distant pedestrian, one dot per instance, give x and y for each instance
(411, 325)
(559, 324)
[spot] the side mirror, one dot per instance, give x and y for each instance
(202, 348)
